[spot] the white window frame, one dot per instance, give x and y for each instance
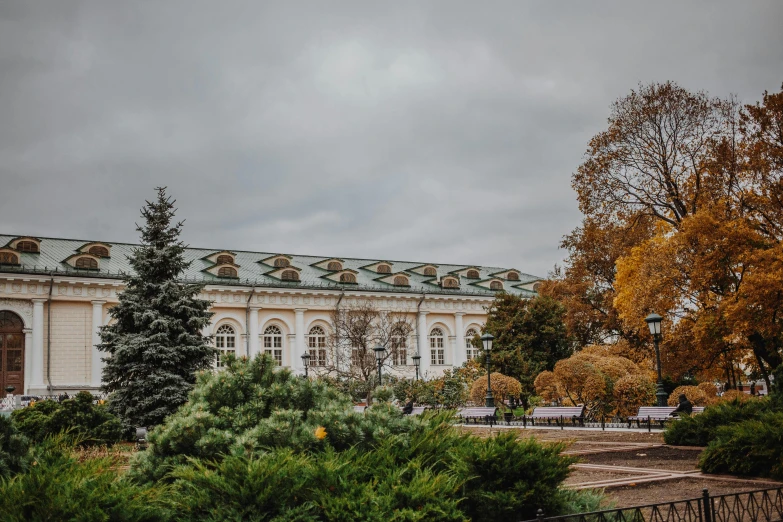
(225, 343)
(437, 347)
(273, 343)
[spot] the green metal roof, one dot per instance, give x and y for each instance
(251, 272)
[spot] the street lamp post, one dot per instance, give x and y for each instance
(654, 323)
(306, 363)
(416, 362)
(486, 340)
(379, 353)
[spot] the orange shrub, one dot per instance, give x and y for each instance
(502, 388)
(695, 394)
(632, 391)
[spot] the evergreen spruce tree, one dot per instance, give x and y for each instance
(155, 346)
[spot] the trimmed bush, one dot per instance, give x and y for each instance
(696, 395)
(91, 424)
(503, 387)
(13, 449)
(752, 447)
(700, 429)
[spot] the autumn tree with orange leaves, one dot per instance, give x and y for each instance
(682, 197)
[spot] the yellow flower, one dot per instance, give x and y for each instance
(320, 433)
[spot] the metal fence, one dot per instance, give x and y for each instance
(749, 506)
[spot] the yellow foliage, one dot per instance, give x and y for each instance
(599, 379)
(502, 388)
(709, 390)
(730, 395)
(695, 394)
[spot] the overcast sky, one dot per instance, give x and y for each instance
(424, 131)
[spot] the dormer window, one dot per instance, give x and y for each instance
(227, 271)
(86, 263)
(496, 285)
(430, 271)
(401, 280)
(384, 269)
(289, 275)
(334, 266)
(282, 262)
(512, 276)
(8, 258)
(99, 251)
(472, 274)
(347, 278)
(450, 282)
(537, 287)
(27, 246)
(225, 259)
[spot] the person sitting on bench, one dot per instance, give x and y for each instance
(685, 408)
(408, 408)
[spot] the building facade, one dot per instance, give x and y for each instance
(55, 295)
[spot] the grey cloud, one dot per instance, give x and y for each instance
(439, 131)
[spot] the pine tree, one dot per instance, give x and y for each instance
(155, 346)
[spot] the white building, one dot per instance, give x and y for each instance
(56, 293)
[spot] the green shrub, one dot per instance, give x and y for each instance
(256, 442)
(438, 475)
(13, 448)
(59, 487)
(752, 447)
(700, 429)
(90, 423)
(251, 406)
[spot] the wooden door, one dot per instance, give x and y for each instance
(11, 353)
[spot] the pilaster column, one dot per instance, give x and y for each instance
(300, 340)
(96, 375)
(460, 356)
(28, 359)
(37, 353)
(253, 332)
(424, 349)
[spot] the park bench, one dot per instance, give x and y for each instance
(659, 414)
(476, 414)
(359, 409)
(558, 414)
(417, 410)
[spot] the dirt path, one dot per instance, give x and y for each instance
(635, 468)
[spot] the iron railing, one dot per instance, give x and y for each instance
(749, 506)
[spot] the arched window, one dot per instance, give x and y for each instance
(8, 258)
(282, 262)
(400, 281)
(316, 341)
(429, 271)
(27, 246)
(347, 278)
(384, 269)
(225, 259)
(512, 276)
(98, 250)
(227, 271)
(290, 275)
(496, 285)
(334, 266)
(437, 352)
(87, 263)
(472, 274)
(273, 343)
(225, 342)
(399, 344)
(450, 282)
(471, 350)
